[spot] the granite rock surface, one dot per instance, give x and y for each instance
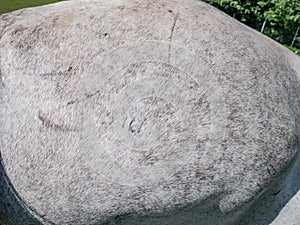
(144, 112)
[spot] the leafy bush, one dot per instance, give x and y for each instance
(280, 17)
(296, 50)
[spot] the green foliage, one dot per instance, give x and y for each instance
(296, 50)
(11, 5)
(247, 11)
(282, 16)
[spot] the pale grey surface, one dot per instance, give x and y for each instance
(144, 112)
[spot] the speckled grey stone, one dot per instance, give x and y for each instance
(144, 113)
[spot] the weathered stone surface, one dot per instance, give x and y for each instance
(143, 112)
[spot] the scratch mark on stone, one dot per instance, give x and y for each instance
(1, 81)
(130, 128)
(72, 102)
(171, 37)
(89, 95)
(277, 192)
(86, 96)
(52, 125)
(137, 129)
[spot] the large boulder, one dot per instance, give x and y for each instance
(143, 112)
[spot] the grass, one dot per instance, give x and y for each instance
(12, 5)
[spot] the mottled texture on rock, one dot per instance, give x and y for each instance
(143, 112)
